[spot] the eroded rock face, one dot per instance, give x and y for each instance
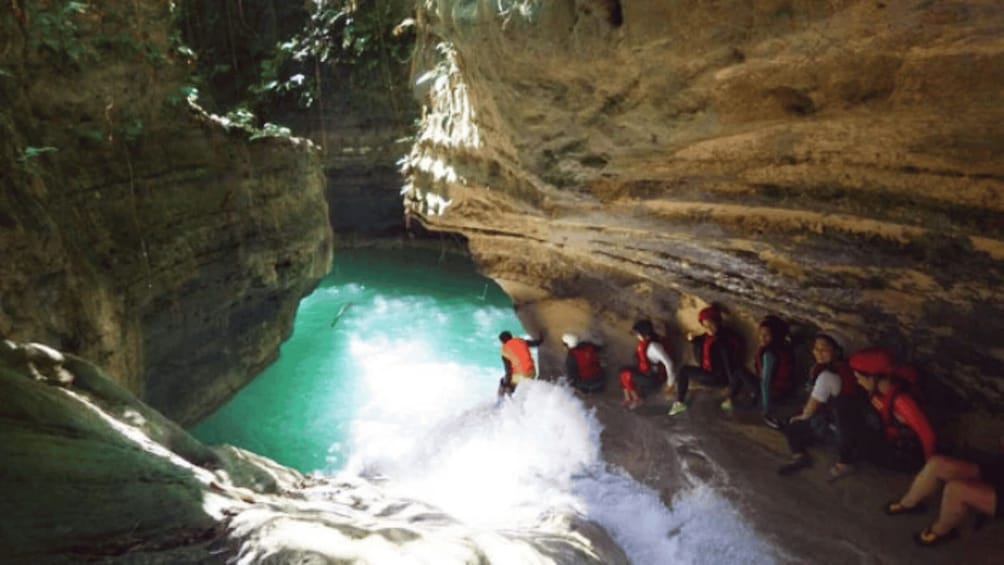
(137, 231)
(838, 163)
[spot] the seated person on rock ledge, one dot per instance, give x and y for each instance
(582, 363)
(968, 486)
(654, 369)
(895, 432)
(517, 360)
(834, 391)
(717, 352)
(774, 364)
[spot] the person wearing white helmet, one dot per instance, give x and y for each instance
(582, 364)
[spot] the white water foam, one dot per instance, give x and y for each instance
(431, 428)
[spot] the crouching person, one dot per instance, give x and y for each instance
(900, 437)
(831, 404)
(582, 364)
(653, 371)
(968, 487)
(718, 353)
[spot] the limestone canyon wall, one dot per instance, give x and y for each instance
(136, 230)
(837, 162)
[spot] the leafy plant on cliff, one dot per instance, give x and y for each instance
(276, 58)
(54, 29)
(27, 158)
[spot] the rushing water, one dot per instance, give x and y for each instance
(391, 372)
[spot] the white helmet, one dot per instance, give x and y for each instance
(570, 340)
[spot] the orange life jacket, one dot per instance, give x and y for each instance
(517, 351)
(587, 359)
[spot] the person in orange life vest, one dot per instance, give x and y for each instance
(832, 401)
(774, 364)
(654, 368)
(891, 430)
(717, 353)
(582, 364)
(969, 485)
(517, 361)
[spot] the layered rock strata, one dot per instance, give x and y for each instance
(838, 163)
(136, 230)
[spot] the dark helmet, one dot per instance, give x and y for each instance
(777, 327)
(644, 328)
(505, 336)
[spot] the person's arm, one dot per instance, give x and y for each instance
(827, 386)
(906, 410)
(697, 345)
(810, 408)
(507, 365)
(536, 342)
(657, 352)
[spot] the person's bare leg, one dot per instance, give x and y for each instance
(938, 468)
(958, 498)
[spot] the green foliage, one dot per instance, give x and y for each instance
(33, 152)
(132, 130)
(277, 55)
(243, 119)
(90, 133)
(338, 32)
(29, 157)
(54, 30)
(271, 130)
(57, 29)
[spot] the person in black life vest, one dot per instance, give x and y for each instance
(517, 361)
(832, 400)
(717, 353)
(582, 364)
(774, 364)
(653, 371)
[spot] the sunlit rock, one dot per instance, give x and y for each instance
(837, 163)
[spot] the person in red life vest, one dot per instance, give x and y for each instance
(976, 486)
(653, 371)
(517, 360)
(774, 364)
(831, 402)
(718, 355)
(582, 364)
(901, 438)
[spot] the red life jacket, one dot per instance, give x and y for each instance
(587, 359)
(517, 351)
(848, 383)
(644, 365)
(784, 371)
(901, 415)
(709, 340)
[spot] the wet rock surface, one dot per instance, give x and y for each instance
(835, 163)
(806, 518)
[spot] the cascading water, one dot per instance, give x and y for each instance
(387, 390)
